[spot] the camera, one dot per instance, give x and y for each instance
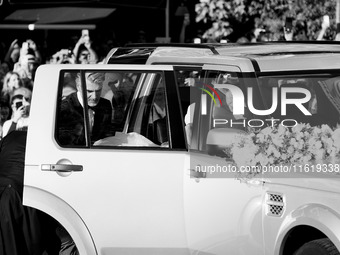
(69, 54)
(18, 105)
(289, 24)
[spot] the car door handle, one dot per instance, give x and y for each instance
(61, 167)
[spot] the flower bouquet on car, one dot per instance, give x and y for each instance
(302, 148)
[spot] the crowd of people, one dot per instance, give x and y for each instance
(24, 230)
(17, 73)
(293, 30)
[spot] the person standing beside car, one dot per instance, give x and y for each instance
(23, 230)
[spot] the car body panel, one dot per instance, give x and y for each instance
(137, 200)
(303, 207)
(63, 213)
(127, 203)
(234, 223)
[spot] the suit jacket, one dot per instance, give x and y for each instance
(12, 160)
(102, 118)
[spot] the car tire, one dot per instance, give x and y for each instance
(322, 246)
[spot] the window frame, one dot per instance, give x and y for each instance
(176, 135)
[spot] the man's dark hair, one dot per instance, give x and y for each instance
(16, 97)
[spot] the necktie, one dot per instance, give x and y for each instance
(91, 118)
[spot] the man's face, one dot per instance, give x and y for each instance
(93, 93)
(22, 103)
(84, 57)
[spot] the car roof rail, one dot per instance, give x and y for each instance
(211, 46)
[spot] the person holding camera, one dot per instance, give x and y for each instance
(13, 54)
(64, 56)
(28, 63)
(295, 30)
(20, 103)
(83, 50)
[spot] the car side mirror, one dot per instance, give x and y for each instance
(219, 139)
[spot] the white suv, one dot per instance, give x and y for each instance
(200, 156)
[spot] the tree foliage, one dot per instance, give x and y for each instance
(227, 16)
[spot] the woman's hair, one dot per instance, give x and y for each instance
(6, 90)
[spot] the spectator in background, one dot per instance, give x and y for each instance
(186, 23)
(34, 50)
(4, 68)
(117, 88)
(28, 63)
(13, 54)
(4, 114)
(83, 50)
(299, 32)
(20, 104)
(141, 37)
(12, 81)
(243, 39)
(324, 26)
(63, 56)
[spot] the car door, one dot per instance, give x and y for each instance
(223, 212)
(124, 192)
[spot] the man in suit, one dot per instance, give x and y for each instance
(99, 109)
(23, 230)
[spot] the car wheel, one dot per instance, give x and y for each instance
(322, 246)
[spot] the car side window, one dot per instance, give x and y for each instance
(217, 104)
(148, 121)
(188, 80)
(112, 108)
(70, 120)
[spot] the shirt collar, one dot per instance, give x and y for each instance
(80, 98)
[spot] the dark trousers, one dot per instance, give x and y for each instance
(24, 230)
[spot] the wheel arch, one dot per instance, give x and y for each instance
(64, 214)
(315, 219)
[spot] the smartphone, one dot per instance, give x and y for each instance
(18, 105)
(289, 24)
(85, 34)
(326, 20)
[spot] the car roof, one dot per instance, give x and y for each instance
(250, 57)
